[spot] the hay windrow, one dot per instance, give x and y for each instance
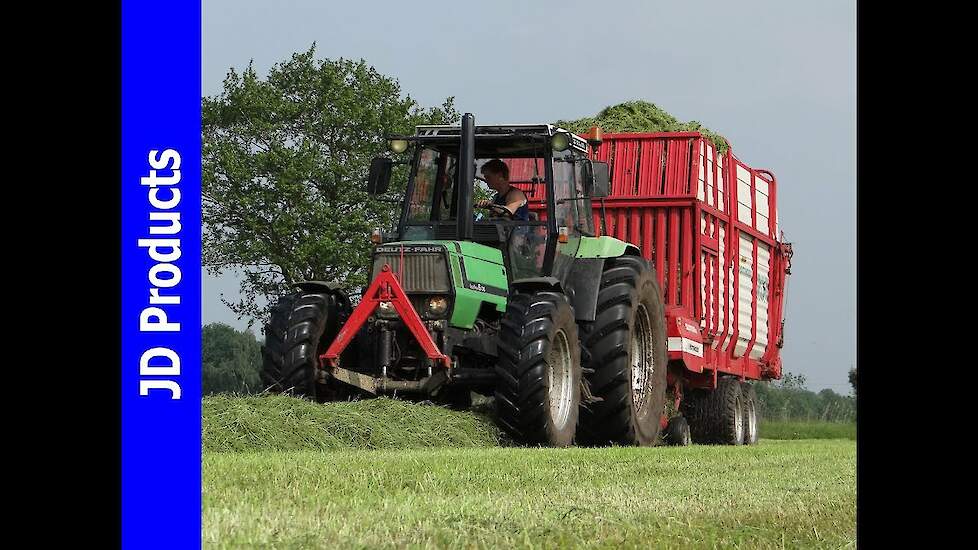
(281, 423)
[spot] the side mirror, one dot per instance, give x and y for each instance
(600, 179)
(380, 175)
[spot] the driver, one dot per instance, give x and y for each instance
(496, 174)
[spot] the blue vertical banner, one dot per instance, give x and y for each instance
(161, 373)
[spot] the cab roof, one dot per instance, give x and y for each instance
(501, 131)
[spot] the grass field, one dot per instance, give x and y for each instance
(777, 494)
(363, 489)
(800, 429)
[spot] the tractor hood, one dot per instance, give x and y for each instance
(477, 273)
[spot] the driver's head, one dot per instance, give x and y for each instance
(497, 175)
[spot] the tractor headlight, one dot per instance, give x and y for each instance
(560, 142)
(386, 310)
(436, 305)
(398, 145)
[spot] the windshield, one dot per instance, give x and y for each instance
(527, 174)
(571, 211)
(434, 195)
(435, 178)
(432, 207)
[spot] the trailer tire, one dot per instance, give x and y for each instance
(716, 417)
(300, 328)
(751, 419)
(538, 387)
(629, 321)
(677, 432)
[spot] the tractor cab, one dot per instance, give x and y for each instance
(549, 164)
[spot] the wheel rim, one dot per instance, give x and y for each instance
(739, 421)
(561, 382)
(751, 422)
(643, 359)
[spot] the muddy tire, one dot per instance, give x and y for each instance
(625, 357)
(716, 417)
(538, 388)
(751, 418)
(301, 327)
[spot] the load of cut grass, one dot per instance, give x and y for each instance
(640, 116)
(282, 423)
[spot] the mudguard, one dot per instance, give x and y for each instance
(313, 286)
(581, 289)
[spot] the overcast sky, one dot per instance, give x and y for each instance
(776, 78)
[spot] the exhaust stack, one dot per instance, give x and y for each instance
(466, 157)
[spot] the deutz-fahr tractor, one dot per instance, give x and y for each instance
(566, 330)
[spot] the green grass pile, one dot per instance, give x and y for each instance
(640, 116)
(802, 429)
(282, 423)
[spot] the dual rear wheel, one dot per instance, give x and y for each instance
(725, 416)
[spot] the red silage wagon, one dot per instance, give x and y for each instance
(708, 223)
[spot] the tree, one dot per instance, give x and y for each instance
(788, 399)
(852, 380)
(230, 360)
(284, 165)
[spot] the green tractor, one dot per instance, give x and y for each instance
(565, 329)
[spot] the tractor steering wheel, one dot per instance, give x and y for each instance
(501, 211)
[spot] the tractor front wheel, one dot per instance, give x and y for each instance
(538, 389)
(301, 327)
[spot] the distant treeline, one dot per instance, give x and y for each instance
(789, 399)
(230, 359)
(232, 362)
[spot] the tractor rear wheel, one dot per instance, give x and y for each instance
(301, 327)
(625, 357)
(716, 416)
(538, 388)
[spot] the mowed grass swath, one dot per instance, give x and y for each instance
(773, 495)
(283, 423)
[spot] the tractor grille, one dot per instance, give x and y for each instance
(422, 272)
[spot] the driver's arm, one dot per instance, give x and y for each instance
(517, 199)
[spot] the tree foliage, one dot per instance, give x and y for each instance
(285, 159)
(640, 116)
(789, 399)
(230, 360)
(852, 380)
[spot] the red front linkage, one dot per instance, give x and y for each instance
(385, 288)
